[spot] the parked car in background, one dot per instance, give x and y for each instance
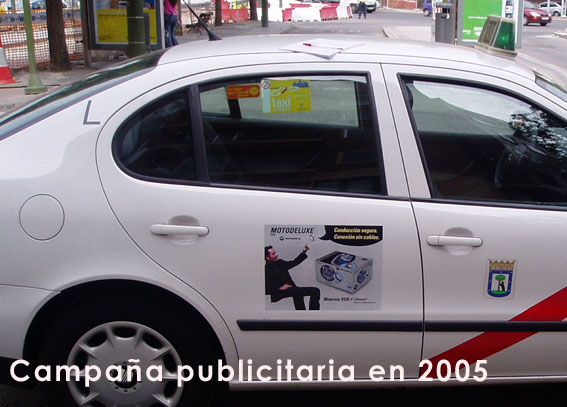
(427, 8)
(554, 8)
(509, 10)
(534, 15)
(371, 6)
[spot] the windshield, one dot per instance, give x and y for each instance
(75, 92)
(551, 86)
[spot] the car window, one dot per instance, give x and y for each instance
(156, 141)
(552, 86)
(482, 144)
(300, 132)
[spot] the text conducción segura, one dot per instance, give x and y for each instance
(245, 371)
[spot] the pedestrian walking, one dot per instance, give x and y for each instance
(361, 8)
(170, 22)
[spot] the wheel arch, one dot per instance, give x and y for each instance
(99, 291)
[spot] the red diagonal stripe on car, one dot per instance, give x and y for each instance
(553, 308)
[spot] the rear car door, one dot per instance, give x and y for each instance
(487, 168)
(213, 174)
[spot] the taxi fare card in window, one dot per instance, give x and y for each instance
(286, 96)
(243, 91)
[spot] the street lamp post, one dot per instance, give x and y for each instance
(34, 83)
(136, 36)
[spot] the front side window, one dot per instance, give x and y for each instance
(299, 132)
(483, 144)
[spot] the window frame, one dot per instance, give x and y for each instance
(117, 139)
(206, 85)
(195, 114)
(405, 77)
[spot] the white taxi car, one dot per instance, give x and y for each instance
(282, 212)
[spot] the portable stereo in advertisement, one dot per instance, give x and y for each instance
(344, 271)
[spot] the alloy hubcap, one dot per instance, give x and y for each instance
(127, 354)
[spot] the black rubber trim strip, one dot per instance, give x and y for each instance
(198, 134)
(294, 325)
(402, 326)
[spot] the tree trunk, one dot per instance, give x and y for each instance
(253, 11)
(56, 33)
(218, 13)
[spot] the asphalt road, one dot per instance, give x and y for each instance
(446, 396)
(538, 42)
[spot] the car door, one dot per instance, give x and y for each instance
(212, 174)
(487, 179)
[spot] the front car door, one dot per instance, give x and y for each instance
(213, 174)
(489, 189)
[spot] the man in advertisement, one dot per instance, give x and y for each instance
(279, 283)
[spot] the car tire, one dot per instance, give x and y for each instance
(86, 335)
(556, 13)
(543, 24)
(426, 12)
(526, 21)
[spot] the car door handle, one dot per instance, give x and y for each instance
(454, 241)
(160, 229)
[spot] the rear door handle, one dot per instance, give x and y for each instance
(160, 229)
(436, 240)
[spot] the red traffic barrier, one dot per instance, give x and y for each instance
(5, 73)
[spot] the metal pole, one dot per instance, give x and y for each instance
(136, 41)
(34, 83)
(264, 13)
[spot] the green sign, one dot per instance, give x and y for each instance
(474, 16)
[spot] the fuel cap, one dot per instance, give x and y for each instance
(42, 217)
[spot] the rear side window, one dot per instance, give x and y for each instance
(483, 144)
(156, 141)
(300, 132)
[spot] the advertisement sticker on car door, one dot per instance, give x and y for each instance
(323, 267)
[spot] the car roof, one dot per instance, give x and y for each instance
(422, 52)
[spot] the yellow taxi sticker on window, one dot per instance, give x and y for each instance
(286, 96)
(242, 91)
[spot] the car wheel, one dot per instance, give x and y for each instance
(426, 12)
(556, 13)
(126, 334)
(526, 21)
(543, 24)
